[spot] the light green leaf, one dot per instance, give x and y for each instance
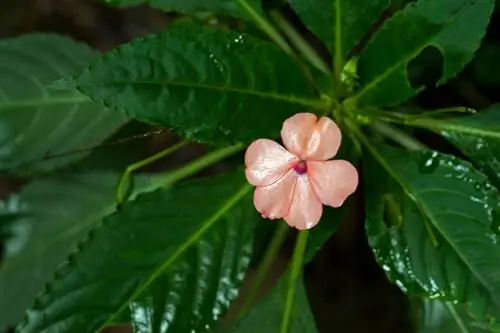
(157, 236)
(454, 27)
(36, 120)
(340, 23)
(205, 83)
(432, 225)
(267, 315)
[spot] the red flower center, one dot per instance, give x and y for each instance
(300, 167)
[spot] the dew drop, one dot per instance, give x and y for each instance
(429, 162)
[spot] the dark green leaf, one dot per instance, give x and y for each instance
(36, 120)
(339, 23)
(246, 9)
(454, 27)
(477, 136)
(208, 84)
(156, 241)
(267, 315)
(42, 237)
(431, 222)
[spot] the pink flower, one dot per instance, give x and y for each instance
(294, 183)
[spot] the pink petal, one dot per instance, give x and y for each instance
(296, 132)
(266, 161)
(273, 201)
(306, 210)
(324, 140)
(333, 181)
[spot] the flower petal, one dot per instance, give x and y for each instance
(333, 181)
(324, 140)
(273, 201)
(306, 209)
(296, 132)
(266, 161)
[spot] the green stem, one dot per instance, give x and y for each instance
(189, 169)
(397, 135)
(296, 269)
(270, 256)
(124, 182)
(458, 320)
(269, 29)
(300, 43)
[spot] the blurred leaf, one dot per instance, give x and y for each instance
(340, 23)
(432, 227)
(477, 136)
(42, 237)
(158, 241)
(441, 317)
(245, 9)
(485, 68)
(267, 314)
(455, 27)
(205, 83)
(36, 120)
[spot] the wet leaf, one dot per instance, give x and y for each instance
(431, 224)
(36, 120)
(158, 242)
(454, 27)
(340, 23)
(477, 136)
(267, 314)
(204, 83)
(53, 216)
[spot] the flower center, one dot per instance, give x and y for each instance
(300, 167)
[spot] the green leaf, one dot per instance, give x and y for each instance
(477, 136)
(432, 225)
(444, 317)
(245, 9)
(340, 23)
(157, 237)
(36, 120)
(44, 237)
(206, 83)
(454, 27)
(267, 314)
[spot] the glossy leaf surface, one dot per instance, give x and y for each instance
(477, 136)
(43, 237)
(267, 314)
(432, 224)
(245, 9)
(36, 120)
(454, 27)
(157, 238)
(205, 83)
(339, 23)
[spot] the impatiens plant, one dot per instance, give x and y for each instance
(301, 106)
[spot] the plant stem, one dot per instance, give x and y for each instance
(300, 43)
(455, 315)
(296, 269)
(268, 28)
(397, 135)
(124, 183)
(189, 169)
(270, 256)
